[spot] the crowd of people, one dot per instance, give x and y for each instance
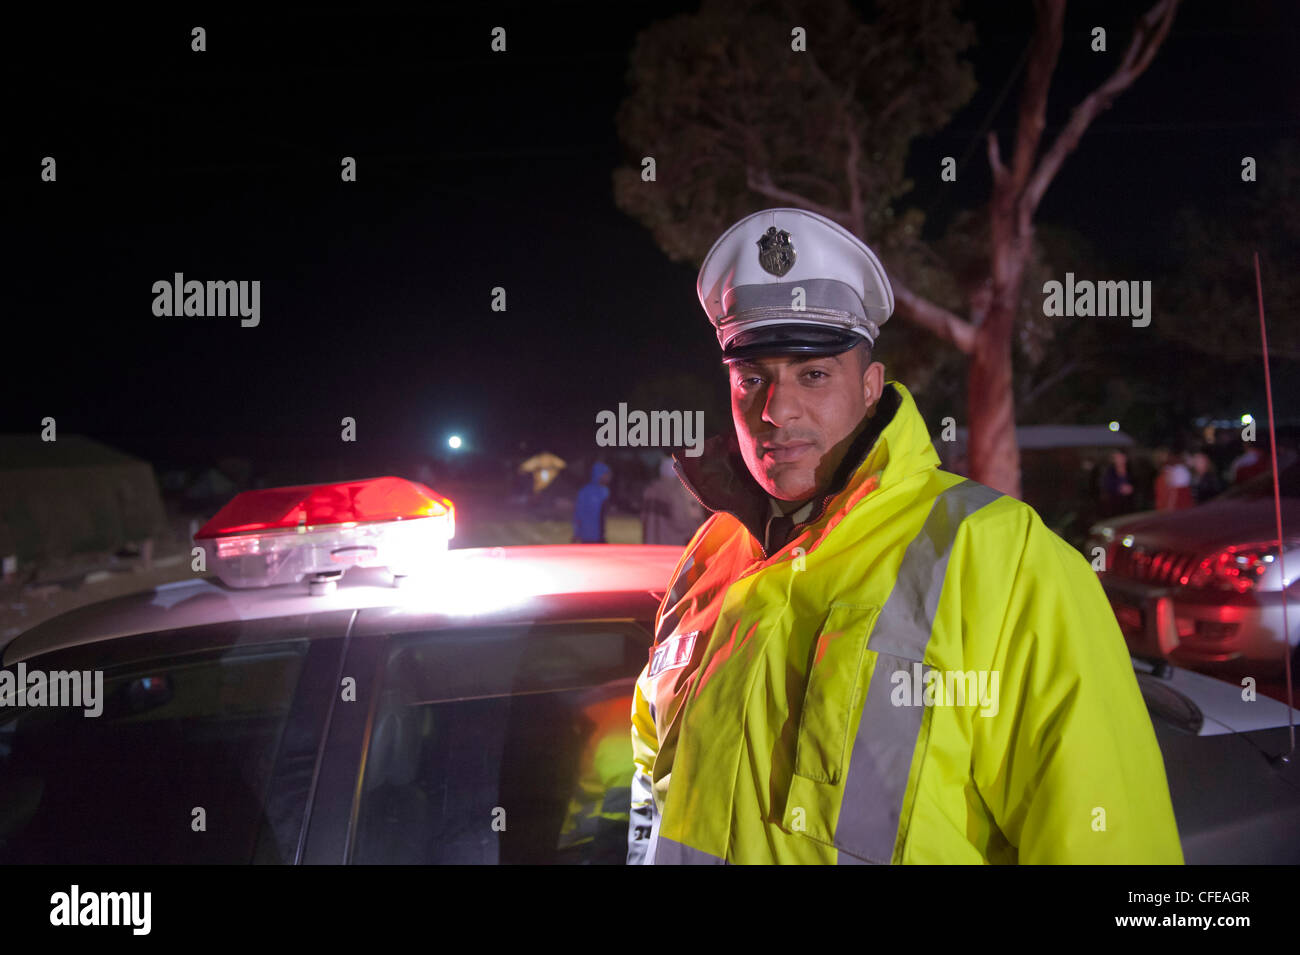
(1179, 478)
(1166, 479)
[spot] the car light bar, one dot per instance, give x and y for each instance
(281, 535)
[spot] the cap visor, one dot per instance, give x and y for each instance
(789, 340)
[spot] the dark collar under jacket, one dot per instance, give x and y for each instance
(720, 479)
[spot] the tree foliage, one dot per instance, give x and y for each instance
(730, 116)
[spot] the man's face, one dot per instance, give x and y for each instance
(796, 417)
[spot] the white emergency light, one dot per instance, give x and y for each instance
(316, 531)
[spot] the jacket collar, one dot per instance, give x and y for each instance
(895, 442)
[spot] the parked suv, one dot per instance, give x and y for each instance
(1203, 587)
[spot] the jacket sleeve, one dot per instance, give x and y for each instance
(1069, 766)
(645, 746)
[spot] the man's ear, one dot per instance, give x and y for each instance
(873, 385)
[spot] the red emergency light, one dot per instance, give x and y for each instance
(281, 535)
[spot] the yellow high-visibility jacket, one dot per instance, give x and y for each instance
(924, 673)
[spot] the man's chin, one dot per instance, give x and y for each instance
(789, 487)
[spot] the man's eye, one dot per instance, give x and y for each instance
(816, 374)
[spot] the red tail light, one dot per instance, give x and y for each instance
(1236, 568)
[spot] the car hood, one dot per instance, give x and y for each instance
(1216, 707)
(1209, 526)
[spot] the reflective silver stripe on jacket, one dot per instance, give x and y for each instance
(676, 591)
(643, 821)
(671, 852)
(872, 805)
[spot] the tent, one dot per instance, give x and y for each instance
(73, 495)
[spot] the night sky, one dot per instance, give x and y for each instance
(475, 170)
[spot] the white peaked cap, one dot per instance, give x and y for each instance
(767, 265)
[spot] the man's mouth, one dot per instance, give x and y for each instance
(783, 453)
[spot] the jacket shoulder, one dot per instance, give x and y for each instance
(996, 521)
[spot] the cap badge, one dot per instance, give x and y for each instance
(775, 253)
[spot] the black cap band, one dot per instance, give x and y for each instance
(789, 340)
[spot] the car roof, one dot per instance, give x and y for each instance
(466, 582)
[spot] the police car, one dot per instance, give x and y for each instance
(343, 688)
(340, 686)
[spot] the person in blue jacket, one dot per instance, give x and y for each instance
(589, 509)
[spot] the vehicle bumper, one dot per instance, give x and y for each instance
(1227, 634)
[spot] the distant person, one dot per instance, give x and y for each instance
(590, 506)
(1159, 458)
(1174, 484)
(669, 515)
(1248, 464)
(1117, 486)
(1205, 480)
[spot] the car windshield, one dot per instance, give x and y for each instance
(1261, 486)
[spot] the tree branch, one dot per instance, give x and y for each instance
(1069, 368)
(1048, 27)
(761, 182)
(734, 126)
(933, 318)
(1149, 34)
(903, 96)
(995, 162)
(857, 217)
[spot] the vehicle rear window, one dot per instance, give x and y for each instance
(503, 745)
(174, 770)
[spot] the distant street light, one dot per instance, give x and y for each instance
(1114, 426)
(453, 442)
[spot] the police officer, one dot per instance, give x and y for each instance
(862, 658)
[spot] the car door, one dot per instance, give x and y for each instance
(203, 749)
(501, 741)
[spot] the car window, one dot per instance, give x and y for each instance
(176, 734)
(502, 745)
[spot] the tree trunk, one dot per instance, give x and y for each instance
(993, 451)
(994, 454)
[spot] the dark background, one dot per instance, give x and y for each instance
(475, 169)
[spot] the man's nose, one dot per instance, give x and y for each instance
(782, 405)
